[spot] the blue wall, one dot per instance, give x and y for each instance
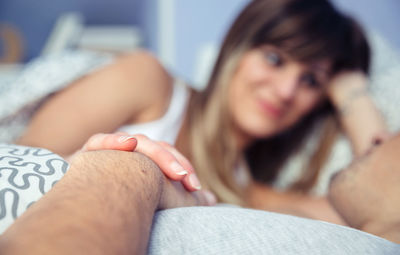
(35, 18)
(381, 15)
(148, 21)
(199, 22)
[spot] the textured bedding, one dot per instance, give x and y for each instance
(26, 174)
(20, 97)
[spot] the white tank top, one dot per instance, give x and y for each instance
(167, 127)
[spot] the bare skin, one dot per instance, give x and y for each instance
(131, 184)
(114, 96)
(130, 181)
(363, 124)
(367, 193)
(100, 103)
(360, 119)
(265, 198)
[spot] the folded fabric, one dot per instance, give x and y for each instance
(39, 79)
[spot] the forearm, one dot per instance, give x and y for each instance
(385, 229)
(265, 198)
(359, 117)
(117, 215)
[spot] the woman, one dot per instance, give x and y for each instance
(283, 66)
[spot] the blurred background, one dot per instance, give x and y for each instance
(184, 34)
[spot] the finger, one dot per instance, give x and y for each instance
(173, 195)
(167, 162)
(179, 156)
(191, 181)
(122, 133)
(110, 142)
(196, 198)
(205, 197)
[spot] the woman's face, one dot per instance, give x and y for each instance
(270, 92)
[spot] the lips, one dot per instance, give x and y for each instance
(270, 109)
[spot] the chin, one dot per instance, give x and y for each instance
(257, 127)
(262, 131)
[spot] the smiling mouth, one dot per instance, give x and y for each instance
(270, 109)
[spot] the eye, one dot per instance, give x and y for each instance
(273, 58)
(310, 80)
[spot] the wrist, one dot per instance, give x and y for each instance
(346, 87)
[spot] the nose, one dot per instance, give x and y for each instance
(288, 83)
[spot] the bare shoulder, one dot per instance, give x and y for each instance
(144, 65)
(134, 88)
(148, 81)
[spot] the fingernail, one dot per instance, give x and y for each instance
(210, 197)
(124, 138)
(178, 169)
(194, 181)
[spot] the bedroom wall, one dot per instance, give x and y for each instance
(199, 23)
(196, 23)
(148, 22)
(382, 16)
(35, 19)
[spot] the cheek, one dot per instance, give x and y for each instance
(252, 70)
(306, 102)
(240, 102)
(302, 105)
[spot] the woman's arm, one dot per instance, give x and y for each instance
(266, 198)
(135, 88)
(357, 113)
(363, 124)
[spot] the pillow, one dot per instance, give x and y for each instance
(26, 174)
(221, 230)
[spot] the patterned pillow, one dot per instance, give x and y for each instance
(26, 174)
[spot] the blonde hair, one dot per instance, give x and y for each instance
(291, 25)
(211, 145)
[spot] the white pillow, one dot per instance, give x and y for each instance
(385, 91)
